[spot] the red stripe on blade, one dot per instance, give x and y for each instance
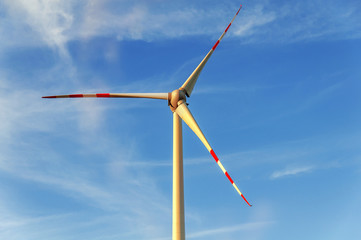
(102, 94)
(229, 177)
(76, 95)
(228, 27)
(215, 45)
(214, 155)
(239, 10)
(246, 200)
(49, 97)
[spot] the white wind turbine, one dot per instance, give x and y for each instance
(177, 103)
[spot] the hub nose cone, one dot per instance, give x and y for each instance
(176, 96)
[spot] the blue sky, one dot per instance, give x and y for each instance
(279, 102)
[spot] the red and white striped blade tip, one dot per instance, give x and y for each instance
(227, 175)
(246, 200)
(97, 95)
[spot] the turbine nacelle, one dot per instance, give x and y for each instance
(176, 98)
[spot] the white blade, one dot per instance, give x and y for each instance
(192, 79)
(114, 95)
(183, 111)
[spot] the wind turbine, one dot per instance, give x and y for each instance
(177, 101)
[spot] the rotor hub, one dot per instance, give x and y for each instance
(175, 98)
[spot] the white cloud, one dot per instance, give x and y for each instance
(50, 19)
(286, 22)
(253, 19)
(251, 226)
(56, 23)
(146, 22)
(18, 113)
(291, 171)
(27, 120)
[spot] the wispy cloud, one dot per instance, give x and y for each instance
(50, 19)
(124, 192)
(319, 97)
(286, 22)
(56, 23)
(254, 19)
(251, 226)
(293, 158)
(291, 171)
(26, 155)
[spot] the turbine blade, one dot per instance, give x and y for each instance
(192, 79)
(114, 95)
(183, 111)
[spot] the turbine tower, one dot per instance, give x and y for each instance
(177, 101)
